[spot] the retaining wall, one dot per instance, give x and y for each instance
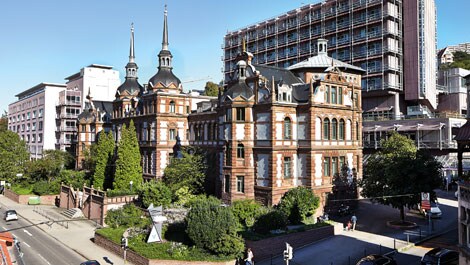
(139, 260)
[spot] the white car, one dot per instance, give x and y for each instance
(435, 211)
(11, 215)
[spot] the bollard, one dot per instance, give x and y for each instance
(365, 252)
(380, 249)
(394, 244)
(408, 238)
(419, 233)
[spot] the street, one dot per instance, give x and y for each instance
(373, 236)
(37, 246)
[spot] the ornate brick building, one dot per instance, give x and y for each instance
(274, 129)
(269, 130)
(159, 110)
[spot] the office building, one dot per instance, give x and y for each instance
(33, 117)
(396, 48)
(98, 82)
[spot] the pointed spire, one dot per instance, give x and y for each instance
(131, 49)
(165, 32)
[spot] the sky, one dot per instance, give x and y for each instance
(48, 40)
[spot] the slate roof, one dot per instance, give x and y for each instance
(324, 61)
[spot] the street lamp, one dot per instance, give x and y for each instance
(130, 183)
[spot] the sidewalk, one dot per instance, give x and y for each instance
(77, 236)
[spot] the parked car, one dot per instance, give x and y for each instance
(441, 256)
(435, 212)
(90, 262)
(11, 215)
(376, 259)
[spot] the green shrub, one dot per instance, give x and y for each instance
(123, 192)
(183, 196)
(22, 189)
(246, 211)
(43, 187)
(229, 246)
(127, 216)
(155, 192)
(208, 222)
(298, 204)
(271, 220)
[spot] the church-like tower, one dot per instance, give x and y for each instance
(164, 79)
(127, 94)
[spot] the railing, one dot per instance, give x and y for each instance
(422, 144)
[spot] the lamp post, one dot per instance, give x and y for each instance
(130, 184)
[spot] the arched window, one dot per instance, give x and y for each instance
(334, 129)
(240, 151)
(287, 128)
(172, 107)
(326, 129)
(341, 130)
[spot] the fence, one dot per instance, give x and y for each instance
(48, 216)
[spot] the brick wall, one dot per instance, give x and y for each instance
(23, 199)
(139, 260)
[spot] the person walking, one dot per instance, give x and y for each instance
(353, 220)
(249, 257)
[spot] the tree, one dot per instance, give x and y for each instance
(4, 122)
(49, 166)
(103, 173)
(213, 227)
(188, 171)
(128, 167)
(13, 155)
(211, 89)
(298, 204)
(155, 192)
(398, 173)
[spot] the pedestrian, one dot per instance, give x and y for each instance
(348, 226)
(249, 257)
(353, 220)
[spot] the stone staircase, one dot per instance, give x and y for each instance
(73, 213)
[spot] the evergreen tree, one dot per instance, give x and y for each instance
(128, 167)
(103, 176)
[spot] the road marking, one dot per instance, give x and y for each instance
(26, 244)
(26, 231)
(44, 259)
(4, 228)
(14, 235)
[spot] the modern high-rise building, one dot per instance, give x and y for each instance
(96, 81)
(393, 40)
(33, 117)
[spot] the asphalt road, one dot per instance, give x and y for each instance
(38, 247)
